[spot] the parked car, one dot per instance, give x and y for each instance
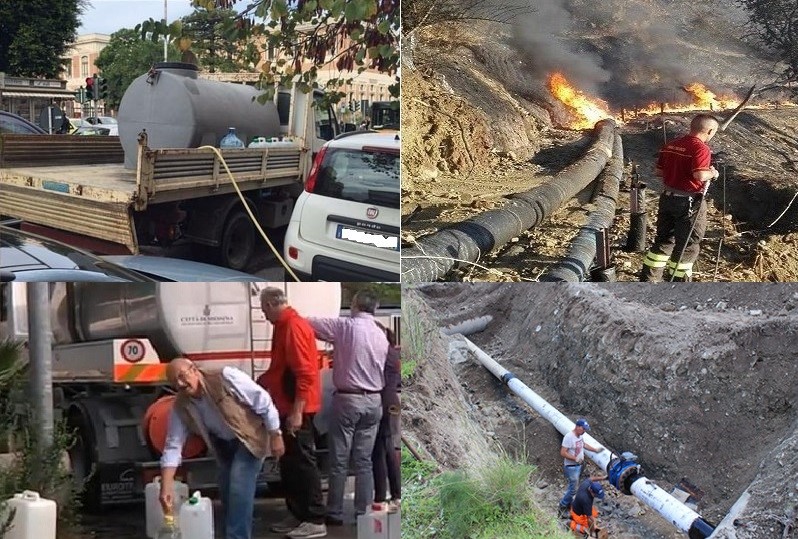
(17, 125)
(30, 257)
(76, 123)
(176, 269)
(105, 121)
(92, 130)
(345, 225)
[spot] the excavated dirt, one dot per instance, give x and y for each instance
(697, 380)
(480, 125)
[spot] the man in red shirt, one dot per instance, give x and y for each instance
(294, 383)
(685, 168)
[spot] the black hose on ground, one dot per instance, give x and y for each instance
(575, 266)
(636, 240)
(434, 255)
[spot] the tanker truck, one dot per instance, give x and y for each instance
(111, 344)
(152, 185)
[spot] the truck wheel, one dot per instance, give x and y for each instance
(82, 465)
(238, 241)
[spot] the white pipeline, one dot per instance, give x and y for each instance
(674, 511)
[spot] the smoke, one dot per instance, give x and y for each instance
(631, 53)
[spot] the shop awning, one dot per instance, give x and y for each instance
(65, 95)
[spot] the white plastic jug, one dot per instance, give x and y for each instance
(152, 504)
(34, 517)
(196, 517)
(378, 523)
(273, 142)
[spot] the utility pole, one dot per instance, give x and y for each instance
(41, 363)
(165, 37)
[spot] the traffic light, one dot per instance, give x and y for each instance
(102, 92)
(90, 88)
(352, 106)
(357, 105)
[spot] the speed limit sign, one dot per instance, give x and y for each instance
(132, 350)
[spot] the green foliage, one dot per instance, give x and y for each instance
(217, 43)
(11, 362)
(415, 331)
(125, 58)
(34, 467)
(421, 512)
(35, 35)
(308, 36)
(486, 504)
(390, 294)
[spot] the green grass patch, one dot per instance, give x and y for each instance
(414, 346)
(491, 503)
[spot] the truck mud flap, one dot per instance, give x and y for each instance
(109, 221)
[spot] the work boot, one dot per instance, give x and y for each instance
(649, 275)
(308, 530)
(286, 525)
(564, 512)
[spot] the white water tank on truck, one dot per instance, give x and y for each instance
(180, 110)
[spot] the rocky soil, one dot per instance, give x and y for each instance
(698, 380)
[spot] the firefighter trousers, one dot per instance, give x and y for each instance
(676, 248)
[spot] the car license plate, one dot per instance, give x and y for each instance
(383, 241)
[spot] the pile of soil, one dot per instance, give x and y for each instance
(697, 380)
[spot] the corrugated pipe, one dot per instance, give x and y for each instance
(624, 473)
(575, 267)
(467, 327)
(436, 255)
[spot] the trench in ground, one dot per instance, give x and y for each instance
(697, 380)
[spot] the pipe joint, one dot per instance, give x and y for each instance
(623, 471)
(701, 529)
(506, 377)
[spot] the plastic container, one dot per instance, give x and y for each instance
(152, 505)
(34, 517)
(378, 523)
(169, 529)
(231, 140)
(274, 142)
(196, 517)
(180, 110)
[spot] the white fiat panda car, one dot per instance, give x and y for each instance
(345, 225)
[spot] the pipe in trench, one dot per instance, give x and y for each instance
(575, 266)
(624, 473)
(467, 327)
(433, 256)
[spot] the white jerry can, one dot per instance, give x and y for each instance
(196, 517)
(34, 517)
(379, 523)
(152, 504)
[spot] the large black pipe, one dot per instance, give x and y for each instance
(575, 266)
(433, 256)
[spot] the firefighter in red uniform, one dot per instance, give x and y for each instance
(685, 168)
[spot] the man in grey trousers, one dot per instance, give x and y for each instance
(358, 376)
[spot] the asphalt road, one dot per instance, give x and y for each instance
(129, 522)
